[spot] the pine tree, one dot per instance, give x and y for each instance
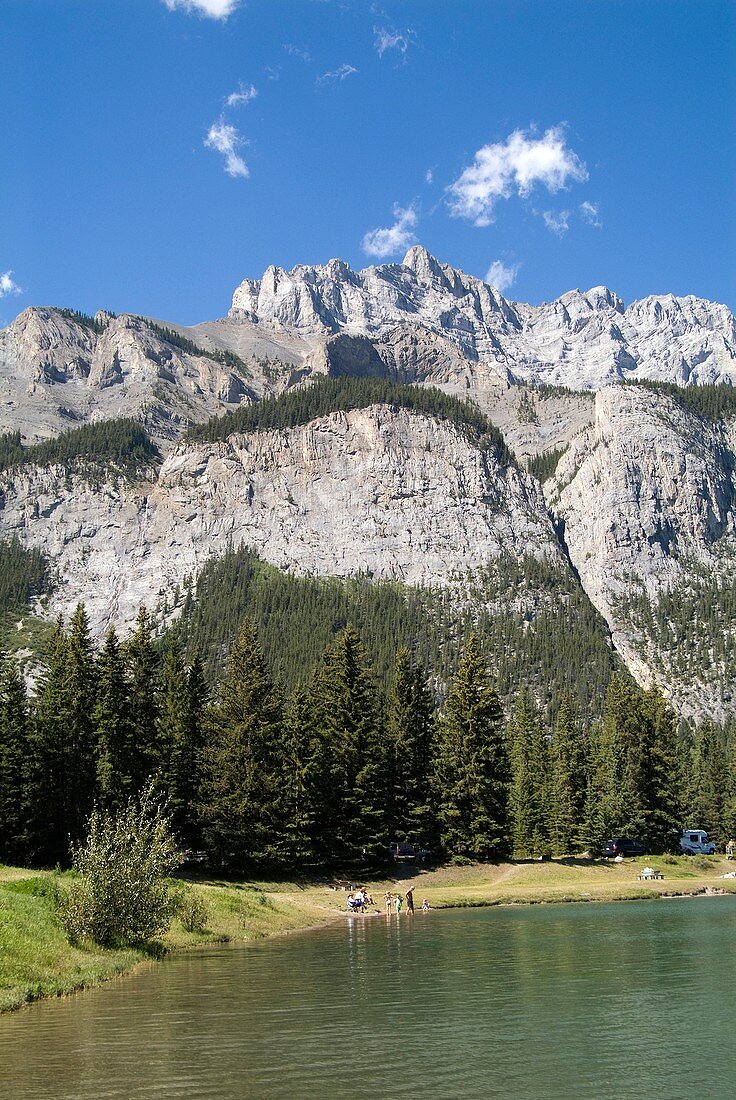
(661, 786)
(353, 748)
(112, 727)
(473, 766)
(300, 790)
(15, 762)
(182, 735)
(529, 780)
(710, 771)
(239, 763)
(141, 661)
(410, 734)
(567, 781)
(63, 770)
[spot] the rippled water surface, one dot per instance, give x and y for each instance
(613, 1001)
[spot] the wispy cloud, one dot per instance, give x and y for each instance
(273, 72)
(210, 9)
(8, 284)
(387, 38)
(225, 139)
(395, 238)
(429, 176)
(514, 166)
(590, 213)
(501, 275)
(557, 221)
(298, 51)
(340, 73)
(243, 96)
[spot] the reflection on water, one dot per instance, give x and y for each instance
(611, 1001)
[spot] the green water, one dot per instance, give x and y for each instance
(605, 1001)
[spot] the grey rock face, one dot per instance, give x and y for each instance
(387, 493)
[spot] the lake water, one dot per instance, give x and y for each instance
(606, 1001)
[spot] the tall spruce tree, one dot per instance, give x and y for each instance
(353, 751)
(15, 763)
(472, 764)
(183, 699)
(62, 782)
(567, 781)
(707, 804)
(240, 763)
(142, 668)
(301, 787)
(112, 727)
(528, 796)
(410, 739)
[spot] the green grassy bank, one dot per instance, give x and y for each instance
(36, 959)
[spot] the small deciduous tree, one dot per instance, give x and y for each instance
(122, 895)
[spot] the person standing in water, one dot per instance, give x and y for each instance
(388, 898)
(409, 895)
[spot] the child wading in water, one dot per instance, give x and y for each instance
(388, 898)
(425, 905)
(398, 903)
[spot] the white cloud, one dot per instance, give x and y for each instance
(8, 284)
(396, 238)
(429, 176)
(501, 275)
(272, 72)
(385, 39)
(225, 139)
(514, 166)
(243, 96)
(336, 74)
(590, 213)
(557, 221)
(211, 9)
(298, 51)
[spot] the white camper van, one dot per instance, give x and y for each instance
(695, 842)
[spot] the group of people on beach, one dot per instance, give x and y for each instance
(360, 899)
(395, 903)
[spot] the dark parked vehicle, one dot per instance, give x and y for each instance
(624, 846)
(401, 852)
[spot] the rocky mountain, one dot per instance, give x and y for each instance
(634, 502)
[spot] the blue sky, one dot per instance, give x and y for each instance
(568, 143)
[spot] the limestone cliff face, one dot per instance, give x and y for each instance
(647, 499)
(388, 493)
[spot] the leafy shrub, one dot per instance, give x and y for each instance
(192, 911)
(122, 895)
(701, 863)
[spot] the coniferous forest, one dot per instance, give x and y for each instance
(331, 769)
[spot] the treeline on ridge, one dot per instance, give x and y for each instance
(334, 770)
(713, 400)
(327, 395)
(183, 343)
(123, 443)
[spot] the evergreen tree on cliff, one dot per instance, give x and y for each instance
(473, 766)
(239, 808)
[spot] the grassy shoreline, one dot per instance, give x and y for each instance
(37, 961)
